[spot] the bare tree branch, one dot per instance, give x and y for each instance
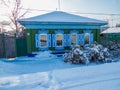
(22, 15)
(15, 12)
(6, 2)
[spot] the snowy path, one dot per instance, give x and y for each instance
(98, 77)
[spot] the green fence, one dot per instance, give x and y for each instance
(21, 47)
(106, 38)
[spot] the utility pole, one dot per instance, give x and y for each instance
(59, 5)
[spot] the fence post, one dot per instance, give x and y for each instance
(4, 46)
(15, 45)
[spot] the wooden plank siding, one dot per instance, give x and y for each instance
(31, 37)
(29, 46)
(96, 35)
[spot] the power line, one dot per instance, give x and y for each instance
(37, 10)
(111, 14)
(59, 5)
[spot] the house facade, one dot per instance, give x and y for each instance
(60, 30)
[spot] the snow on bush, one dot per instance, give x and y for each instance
(87, 54)
(114, 47)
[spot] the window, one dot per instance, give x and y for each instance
(87, 38)
(73, 39)
(43, 40)
(59, 38)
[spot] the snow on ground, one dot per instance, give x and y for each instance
(41, 63)
(54, 74)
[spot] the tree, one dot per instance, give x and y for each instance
(15, 12)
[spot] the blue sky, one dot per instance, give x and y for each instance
(93, 6)
(84, 6)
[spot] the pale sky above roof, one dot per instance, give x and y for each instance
(84, 6)
(100, 6)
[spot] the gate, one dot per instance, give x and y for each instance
(21, 47)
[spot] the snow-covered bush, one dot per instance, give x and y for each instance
(76, 55)
(114, 47)
(95, 52)
(99, 53)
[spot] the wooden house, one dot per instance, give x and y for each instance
(60, 30)
(111, 34)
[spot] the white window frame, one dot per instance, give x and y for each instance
(46, 41)
(89, 37)
(56, 39)
(76, 38)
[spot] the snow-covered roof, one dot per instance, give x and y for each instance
(112, 30)
(60, 16)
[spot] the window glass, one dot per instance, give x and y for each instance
(73, 39)
(87, 38)
(43, 40)
(59, 39)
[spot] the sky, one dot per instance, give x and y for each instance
(83, 6)
(107, 6)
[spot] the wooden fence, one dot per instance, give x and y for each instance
(7, 46)
(2, 53)
(107, 38)
(12, 46)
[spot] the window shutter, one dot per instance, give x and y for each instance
(78, 39)
(49, 40)
(37, 43)
(91, 38)
(82, 39)
(68, 39)
(53, 40)
(64, 40)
